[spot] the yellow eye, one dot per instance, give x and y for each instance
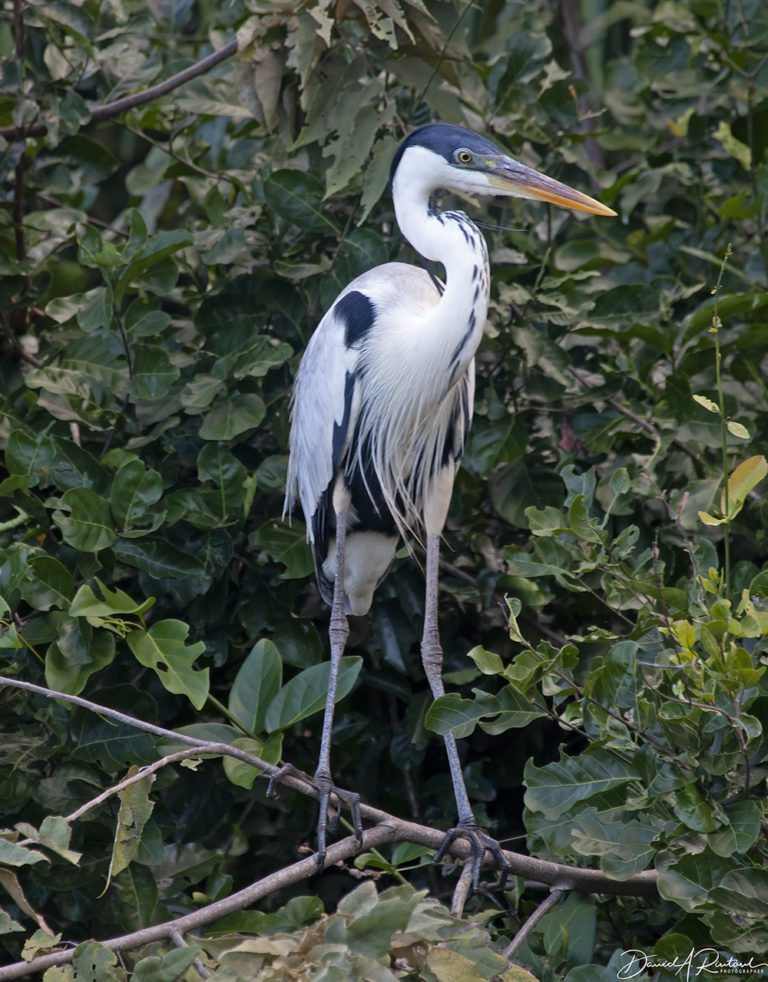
(464, 156)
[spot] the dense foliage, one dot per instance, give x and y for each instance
(161, 269)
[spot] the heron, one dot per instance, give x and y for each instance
(381, 410)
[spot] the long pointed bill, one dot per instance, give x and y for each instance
(509, 177)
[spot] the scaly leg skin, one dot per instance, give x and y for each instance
(432, 659)
(338, 633)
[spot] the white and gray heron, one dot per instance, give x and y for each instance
(382, 405)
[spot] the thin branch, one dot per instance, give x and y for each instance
(544, 907)
(110, 109)
(462, 891)
(202, 971)
(643, 424)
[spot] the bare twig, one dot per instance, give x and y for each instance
(544, 907)
(110, 109)
(462, 890)
(179, 941)
(641, 423)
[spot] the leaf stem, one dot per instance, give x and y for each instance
(715, 330)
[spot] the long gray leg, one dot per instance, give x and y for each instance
(432, 659)
(338, 633)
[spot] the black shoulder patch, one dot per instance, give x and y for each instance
(358, 314)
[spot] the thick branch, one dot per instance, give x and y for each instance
(555, 875)
(110, 109)
(338, 852)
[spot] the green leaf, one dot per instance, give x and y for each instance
(624, 845)
(737, 429)
(49, 584)
(297, 196)
(95, 309)
(163, 648)
(559, 786)
(85, 520)
(86, 604)
(12, 854)
(287, 545)
(242, 774)
(153, 372)
(305, 694)
(135, 490)
(741, 831)
(79, 653)
(233, 416)
(157, 249)
(167, 967)
(256, 684)
(453, 714)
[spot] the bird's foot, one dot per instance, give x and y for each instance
(479, 842)
(274, 779)
(326, 824)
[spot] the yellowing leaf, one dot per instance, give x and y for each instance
(707, 403)
(737, 429)
(135, 810)
(743, 479)
(708, 519)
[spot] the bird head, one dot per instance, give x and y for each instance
(443, 155)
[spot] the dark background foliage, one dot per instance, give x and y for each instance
(161, 270)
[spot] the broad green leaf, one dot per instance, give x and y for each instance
(242, 774)
(488, 662)
(297, 196)
(256, 684)
(453, 714)
(153, 372)
(737, 429)
(49, 584)
(86, 604)
(305, 694)
(55, 834)
(624, 844)
(160, 559)
(557, 787)
(79, 652)
(167, 967)
(85, 520)
(135, 490)
(95, 310)
(515, 710)
(30, 456)
(163, 648)
(233, 416)
(94, 962)
(287, 545)
(741, 831)
(158, 248)
(12, 854)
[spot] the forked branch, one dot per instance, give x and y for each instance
(386, 828)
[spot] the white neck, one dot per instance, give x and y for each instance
(451, 239)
